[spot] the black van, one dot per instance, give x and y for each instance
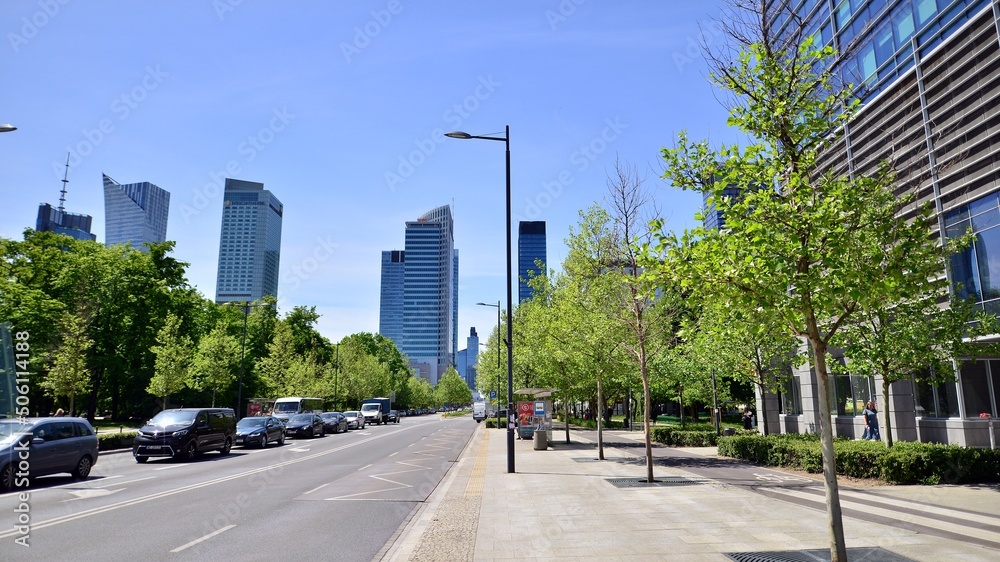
(185, 433)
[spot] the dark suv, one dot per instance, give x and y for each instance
(185, 433)
(31, 447)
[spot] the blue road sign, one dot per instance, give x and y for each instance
(493, 395)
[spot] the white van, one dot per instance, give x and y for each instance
(479, 411)
(285, 408)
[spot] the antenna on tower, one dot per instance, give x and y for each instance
(65, 180)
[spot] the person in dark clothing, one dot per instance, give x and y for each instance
(747, 418)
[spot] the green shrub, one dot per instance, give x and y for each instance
(112, 441)
(904, 463)
(677, 438)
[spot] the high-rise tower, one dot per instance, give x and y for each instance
(250, 244)
(134, 213)
(530, 250)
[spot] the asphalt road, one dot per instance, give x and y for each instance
(340, 497)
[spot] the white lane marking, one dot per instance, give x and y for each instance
(394, 454)
(203, 539)
(92, 493)
(363, 467)
(168, 467)
(314, 489)
(300, 449)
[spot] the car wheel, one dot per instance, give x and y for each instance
(311, 433)
(226, 447)
(141, 459)
(191, 451)
(7, 478)
(322, 432)
(263, 442)
(82, 470)
(281, 440)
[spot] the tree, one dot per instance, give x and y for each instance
(69, 374)
(916, 339)
(216, 362)
(811, 245)
(452, 389)
(173, 359)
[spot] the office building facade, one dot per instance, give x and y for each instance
(61, 222)
(465, 363)
(530, 251)
(134, 213)
(928, 72)
(250, 243)
(428, 319)
(390, 317)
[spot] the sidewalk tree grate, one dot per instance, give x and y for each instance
(661, 481)
(853, 554)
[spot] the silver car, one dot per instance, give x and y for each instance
(32, 447)
(355, 420)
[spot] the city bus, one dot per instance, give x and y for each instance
(285, 408)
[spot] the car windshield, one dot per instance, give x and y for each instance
(286, 407)
(301, 418)
(251, 422)
(351, 414)
(10, 429)
(366, 407)
(168, 417)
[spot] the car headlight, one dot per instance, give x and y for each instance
(180, 433)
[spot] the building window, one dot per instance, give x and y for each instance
(935, 401)
(850, 393)
(791, 396)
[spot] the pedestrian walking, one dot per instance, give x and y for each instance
(871, 422)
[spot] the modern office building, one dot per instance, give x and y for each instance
(465, 363)
(428, 319)
(714, 218)
(62, 222)
(250, 244)
(390, 317)
(929, 75)
(530, 251)
(134, 213)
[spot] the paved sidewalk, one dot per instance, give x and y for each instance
(561, 505)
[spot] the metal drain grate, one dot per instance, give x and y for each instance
(661, 481)
(853, 554)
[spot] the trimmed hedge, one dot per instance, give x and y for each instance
(905, 463)
(111, 441)
(683, 438)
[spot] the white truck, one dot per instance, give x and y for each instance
(479, 411)
(376, 410)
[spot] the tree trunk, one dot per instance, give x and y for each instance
(600, 421)
(645, 414)
(838, 548)
(680, 403)
(763, 409)
(71, 395)
(885, 407)
(566, 410)
(213, 397)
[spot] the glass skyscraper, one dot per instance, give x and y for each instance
(250, 244)
(428, 319)
(61, 222)
(390, 317)
(530, 248)
(134, 213)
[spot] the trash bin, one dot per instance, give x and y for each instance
(541, 440)
(729, 431)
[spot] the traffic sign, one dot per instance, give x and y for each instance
(540, 408)
(493, 395)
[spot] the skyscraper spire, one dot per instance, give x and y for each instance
(65, 180)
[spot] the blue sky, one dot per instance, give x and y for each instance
(338, 108)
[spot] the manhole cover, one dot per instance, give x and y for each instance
(661, 481)
(853, 555)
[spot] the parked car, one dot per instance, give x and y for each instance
(305, 425)
(335, 422)
(51, 445)
(258, 431)
(393, 416)
(354, 419)
(186, 433)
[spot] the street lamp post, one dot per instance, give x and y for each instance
(510, 305)
(243, 350)
(7, 127)
(498, 358)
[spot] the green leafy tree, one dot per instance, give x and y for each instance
(69, 375)
(915, 339)
(173, 360)
(452, 389)
(273, 368)
(812, 245)
(216, 362)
